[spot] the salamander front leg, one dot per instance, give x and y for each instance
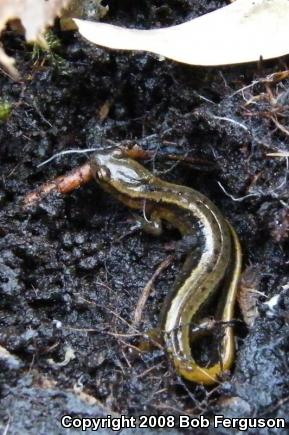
(152, 224)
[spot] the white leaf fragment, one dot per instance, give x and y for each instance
(272, 303)
(69, 356)
(243, 31)
(35, 16)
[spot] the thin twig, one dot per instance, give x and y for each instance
(234, 198)
(279, 154)
(232, 121)
(279, 125)
(150, 369)
(6, 428)
(63, 184)
(146, 291)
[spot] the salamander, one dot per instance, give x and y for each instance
(216, 272)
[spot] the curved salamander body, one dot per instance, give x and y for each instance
(219, 261)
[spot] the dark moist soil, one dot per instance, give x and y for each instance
(71, 269)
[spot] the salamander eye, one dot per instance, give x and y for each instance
(103, 173)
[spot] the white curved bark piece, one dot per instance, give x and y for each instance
(243, 31)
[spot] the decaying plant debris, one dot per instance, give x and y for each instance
(72, 269)
(34, 15)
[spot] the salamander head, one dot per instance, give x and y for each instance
(117, 173)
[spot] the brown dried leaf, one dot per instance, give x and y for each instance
(35, 16)
(248, 294)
